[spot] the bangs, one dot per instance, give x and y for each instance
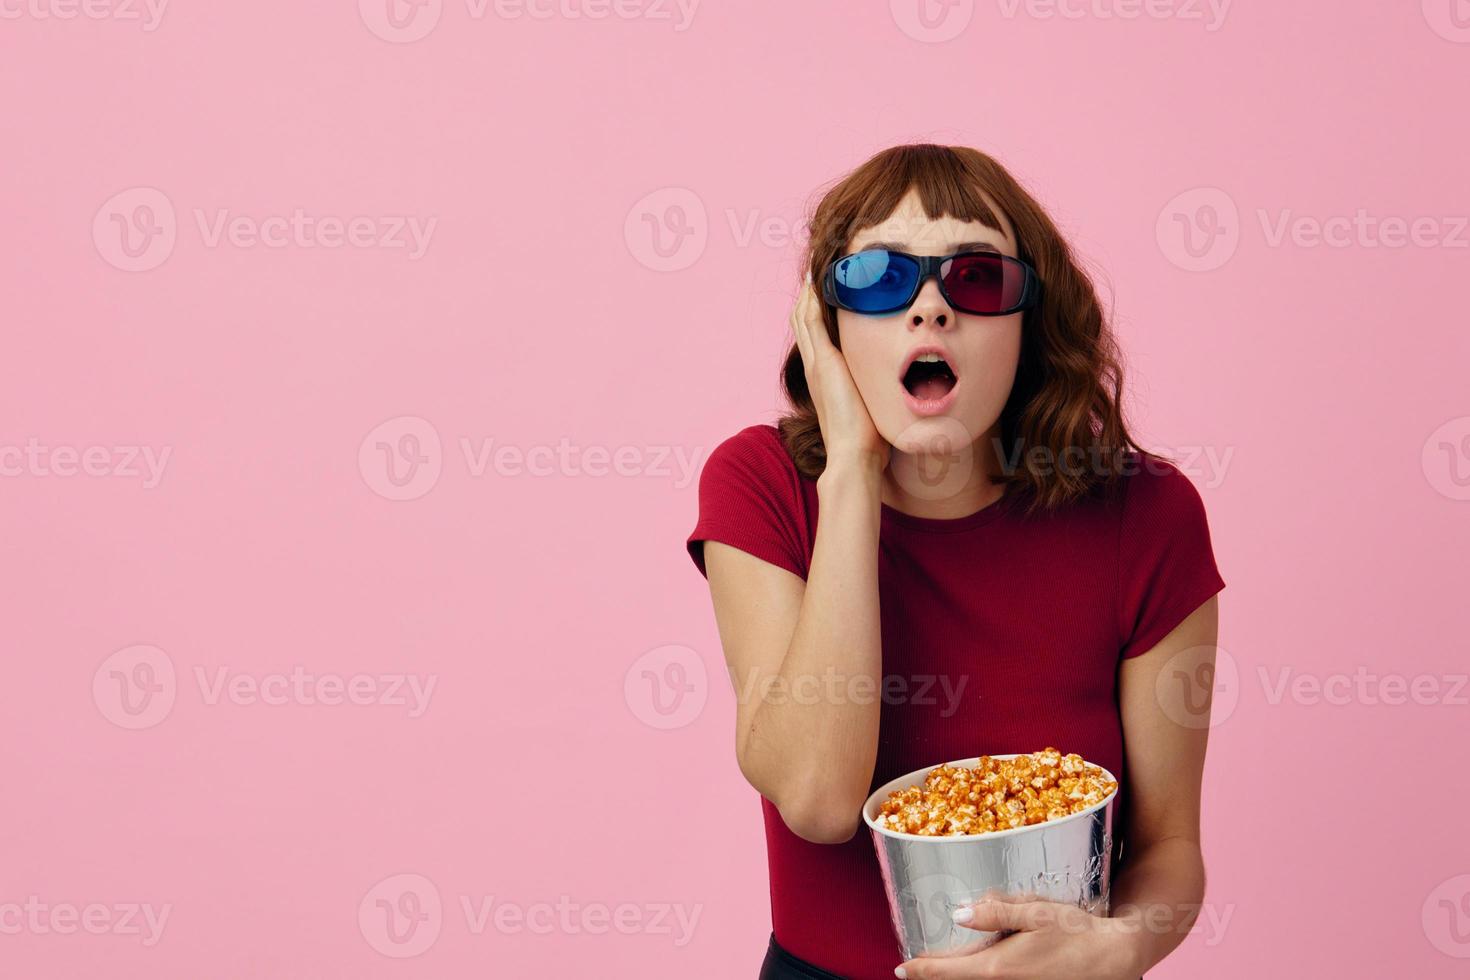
(945, 185)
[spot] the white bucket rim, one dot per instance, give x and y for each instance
(870, 808)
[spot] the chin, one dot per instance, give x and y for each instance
(942, 435)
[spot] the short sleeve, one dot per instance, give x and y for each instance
(1166, 563)
(750, 498)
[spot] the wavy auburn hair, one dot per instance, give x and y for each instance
(1066, 400)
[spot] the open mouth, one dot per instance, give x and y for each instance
(929, 378)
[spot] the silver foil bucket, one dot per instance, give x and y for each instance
(927, 878)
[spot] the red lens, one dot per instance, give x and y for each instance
(984, 283)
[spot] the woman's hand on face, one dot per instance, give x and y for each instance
(1047, 940)
(848, 432)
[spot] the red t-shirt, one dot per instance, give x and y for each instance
(1026, 618)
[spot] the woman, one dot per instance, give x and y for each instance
(1041, 582)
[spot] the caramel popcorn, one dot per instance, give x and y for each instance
(997, 794)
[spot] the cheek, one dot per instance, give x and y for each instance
(990, 371)
(867, 347)
(997, 354)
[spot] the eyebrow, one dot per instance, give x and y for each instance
(961, 247)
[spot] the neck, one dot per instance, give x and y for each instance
(944, 481)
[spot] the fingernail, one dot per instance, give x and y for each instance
(964, 915)
(898, 971)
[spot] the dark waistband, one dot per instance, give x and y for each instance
(782, 965)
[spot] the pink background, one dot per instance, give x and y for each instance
(1330, 376)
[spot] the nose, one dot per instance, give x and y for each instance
(930, 307)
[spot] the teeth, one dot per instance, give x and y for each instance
(928, 359)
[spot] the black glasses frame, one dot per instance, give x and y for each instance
(935, 266)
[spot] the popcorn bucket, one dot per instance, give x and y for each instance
(1063, 860)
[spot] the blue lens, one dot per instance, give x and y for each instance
(876, 281)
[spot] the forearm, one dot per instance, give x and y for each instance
(813, 737)
(1157, 896)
